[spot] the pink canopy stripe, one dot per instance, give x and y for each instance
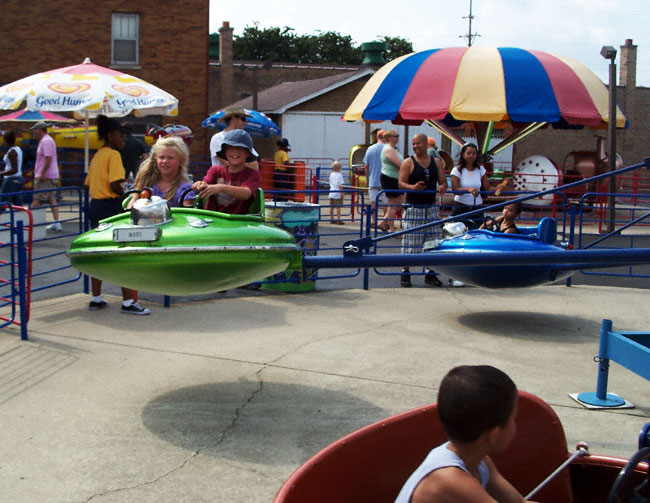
(429, 95)
(574, 100)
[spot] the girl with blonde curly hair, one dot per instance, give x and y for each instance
(165, 171)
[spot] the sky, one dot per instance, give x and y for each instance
(577, 29)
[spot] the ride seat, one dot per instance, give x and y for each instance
(257, 205)
(371, 464)
(547, 230)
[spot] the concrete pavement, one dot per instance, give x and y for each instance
(220, 400)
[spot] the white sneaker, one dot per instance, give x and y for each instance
(56, 227)
(456, 283)
(134, 308)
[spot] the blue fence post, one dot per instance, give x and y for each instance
(368, 218)
(603, 360)
(572, 221)
(601, 398)
(22, 274)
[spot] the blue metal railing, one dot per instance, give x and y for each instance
(14, 264)
(328, 238)
(639, 215)
(48, 260)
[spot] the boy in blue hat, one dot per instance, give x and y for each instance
(231, 188)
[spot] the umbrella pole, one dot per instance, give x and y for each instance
(516, 137)
(444, 130)
(488, 136)
(86, 144)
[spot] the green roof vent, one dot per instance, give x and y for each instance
(374, 53)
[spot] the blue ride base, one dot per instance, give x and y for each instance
(629, 349)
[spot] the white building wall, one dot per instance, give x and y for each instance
(320, 137)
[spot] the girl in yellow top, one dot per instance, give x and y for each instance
(104, 182)
(283, 175)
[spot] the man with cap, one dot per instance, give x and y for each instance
(235, 118)
(46, 173)
(233, 187)
(133, 152)
(372, 167)
(432, 149)
(283, 170)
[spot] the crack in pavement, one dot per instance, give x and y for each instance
(331, 338)
(221, 438)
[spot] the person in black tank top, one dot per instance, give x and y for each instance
(506, 222)
(423, 177)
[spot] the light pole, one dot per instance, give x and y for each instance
(608, 52)
(265, 66)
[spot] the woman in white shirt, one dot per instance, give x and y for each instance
(13, 181)
(470, 178)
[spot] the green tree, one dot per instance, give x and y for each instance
(337, 49)
(396, 47)
(275, 44)
(284, 45)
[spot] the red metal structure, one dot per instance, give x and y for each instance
(371, 464)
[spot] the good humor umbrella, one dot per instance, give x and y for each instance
(25, 115)
(87, 89)
(485, 86)
(258, 124)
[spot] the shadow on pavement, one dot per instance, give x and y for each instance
(533, 326)
(271, 423)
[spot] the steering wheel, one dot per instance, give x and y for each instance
(489, 223)
(125, 197)
(199, 202)
(621, 491)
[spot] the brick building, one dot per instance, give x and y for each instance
(118, 34)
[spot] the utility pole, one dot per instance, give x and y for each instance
(470, 36)
(608, 52)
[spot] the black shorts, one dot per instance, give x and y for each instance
(103, 208)
(390, 186)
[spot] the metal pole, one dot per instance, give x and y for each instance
(368, 222)
(611, 132)
(255, 68)
(583, 450)
(22, 278)
(603, 360)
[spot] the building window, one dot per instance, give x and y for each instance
(124, 39)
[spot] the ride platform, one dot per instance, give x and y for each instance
(222, 399)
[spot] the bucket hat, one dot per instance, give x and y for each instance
(238, 138)
(284, 143)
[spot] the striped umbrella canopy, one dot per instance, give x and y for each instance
(25, 115)
(88, 90)
(484, 85)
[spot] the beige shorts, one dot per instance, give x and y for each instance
(45, 184)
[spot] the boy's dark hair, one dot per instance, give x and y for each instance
(473, 399)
